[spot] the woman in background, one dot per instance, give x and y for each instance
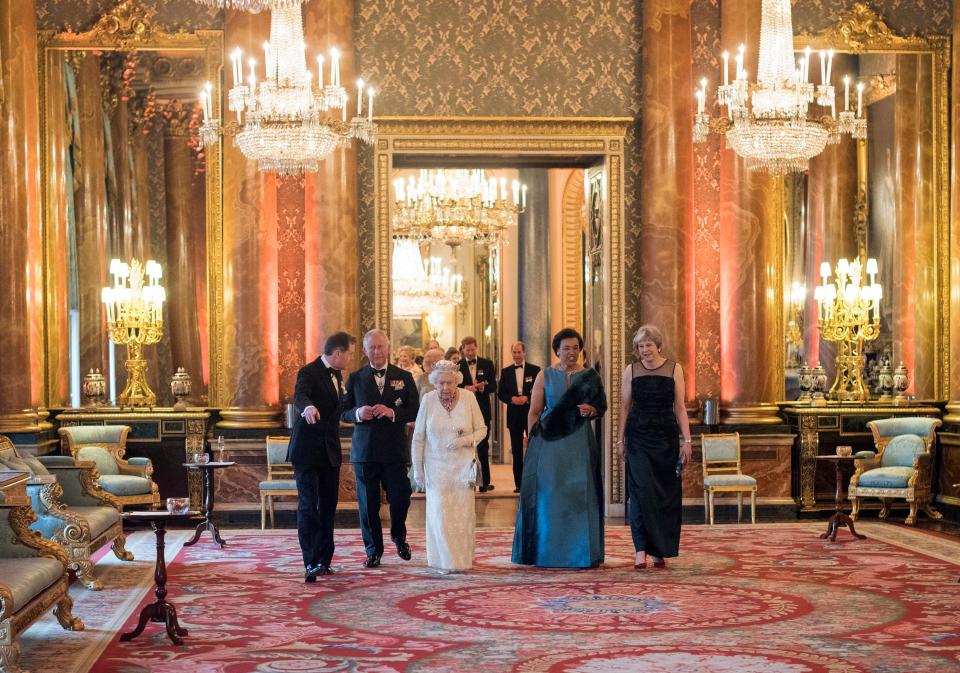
(430, 358)
(407, 360)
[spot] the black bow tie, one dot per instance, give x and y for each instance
(379, 372)
(471, 363)
(518, 366)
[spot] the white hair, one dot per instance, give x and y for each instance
(372, 333)
(445, 367)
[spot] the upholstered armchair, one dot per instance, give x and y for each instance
(33, 578)
(901, 469)
(71, 509)
(129, 481)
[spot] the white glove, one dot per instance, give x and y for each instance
(419, 478)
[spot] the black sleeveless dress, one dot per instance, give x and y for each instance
(653, 448)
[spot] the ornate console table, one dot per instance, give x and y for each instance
(168, 438)
(820, 429)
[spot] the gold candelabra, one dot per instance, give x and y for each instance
(849, 314)
(135, 317)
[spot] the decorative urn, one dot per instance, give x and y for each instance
(181, 385)
(819, 385)
(805, 380)
(94, 388)
(901, 381)
(885, 380)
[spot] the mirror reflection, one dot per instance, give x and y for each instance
(127, 180)
(874, 198)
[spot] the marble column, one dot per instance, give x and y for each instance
(533, 325)
(331, 248)
(750, 230)
(21, 243)
(249, 383)
(666, 210)
(953, 406)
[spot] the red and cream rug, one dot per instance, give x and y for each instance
(740, 599)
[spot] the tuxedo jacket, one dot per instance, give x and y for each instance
(485, 374)
(507, 388)
(317, 444)
(380, 440)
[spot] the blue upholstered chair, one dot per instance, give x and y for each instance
(279, 479)
(901, 469)
(129, 481)
(70, 508)
(33, 574)
(721, 474)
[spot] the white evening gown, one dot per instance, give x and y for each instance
(443, 447)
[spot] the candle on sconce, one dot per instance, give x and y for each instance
(523, 196)
(823, 66)
(359, 97)
(806, 64)
(343, 111)
(741, 72)
(370, 104)
(829, 64)
(203, 105)
(503, 189)
(267, 62)
(516, 192)
(859, 99)
(235, 57)
(253, 74)
(846, 93)
(208, 90)
(320, 72)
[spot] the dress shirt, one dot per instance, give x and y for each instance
(472, 366)
(334, 377)
(518, 372)
(381, 380)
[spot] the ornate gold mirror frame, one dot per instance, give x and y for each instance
(601, 139)
(859, 30)
(129, 27)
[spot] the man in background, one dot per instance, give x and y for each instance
(480, 378)
(514, 390)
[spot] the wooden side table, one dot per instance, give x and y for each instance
(839, 517)
(208, 500)
(160, 610)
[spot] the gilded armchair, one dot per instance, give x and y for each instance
(33, 575)
(901, 469)
(129, 481)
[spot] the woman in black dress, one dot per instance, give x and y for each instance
(652, 417)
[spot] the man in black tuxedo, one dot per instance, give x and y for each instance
(514, 390)
(480, 378)
(380, 400)
(314, 451)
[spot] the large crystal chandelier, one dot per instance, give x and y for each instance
(770, 123)
(420, 287)
(252, 6)
(849, 314)
(456, 206)
(290, 120)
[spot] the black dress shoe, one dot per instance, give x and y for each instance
(310, 575)
(324, 570)
(372, 561)
(516, 490)
(403, 551)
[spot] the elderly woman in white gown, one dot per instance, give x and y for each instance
(449, 425)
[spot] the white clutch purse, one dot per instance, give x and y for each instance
(471, 474)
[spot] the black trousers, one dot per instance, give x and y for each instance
(392, 477)
(317, 489)
(483, 455)
(516, 448)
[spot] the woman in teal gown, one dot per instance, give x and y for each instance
(560, 514)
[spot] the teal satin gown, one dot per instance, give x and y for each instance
(560, 513)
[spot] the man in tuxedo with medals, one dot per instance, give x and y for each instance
(514, 390)
(480, 378)
(314, 451)
(380, 400)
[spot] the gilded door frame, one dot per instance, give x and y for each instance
(128, 27)
(860, 30)
(599, 137)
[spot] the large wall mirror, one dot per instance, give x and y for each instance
(125, 176)
(885, 197)
(556, 263)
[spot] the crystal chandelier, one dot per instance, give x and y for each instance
(289, 121)
(252, 6)
(421, 286)
(456, 206)
(135, 319)
(849, 314)
(770, 123)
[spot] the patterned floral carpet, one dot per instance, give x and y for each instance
(763, 599)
